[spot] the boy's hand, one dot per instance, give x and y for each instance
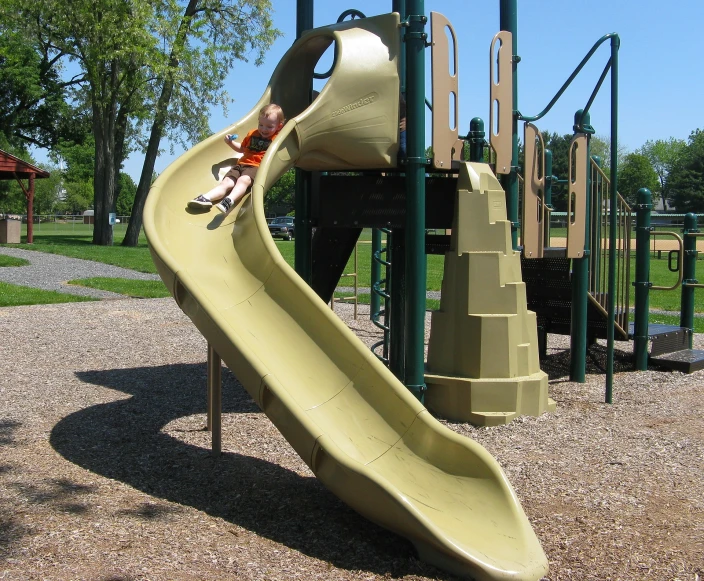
(230, 137)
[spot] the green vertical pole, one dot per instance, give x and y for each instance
(610, 333)
(580, 286)
(689, 274)
(416, 38)
(642, 282)
(508, 20)
(476, 140)
(375, 275)
(396, 249)
(302, 254)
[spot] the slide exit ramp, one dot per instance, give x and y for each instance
(362, 433)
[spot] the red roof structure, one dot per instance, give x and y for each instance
(12, 167)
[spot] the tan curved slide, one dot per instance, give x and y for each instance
(359, 429)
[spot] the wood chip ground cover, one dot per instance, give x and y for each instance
(106, 475)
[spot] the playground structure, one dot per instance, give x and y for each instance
(364, 433)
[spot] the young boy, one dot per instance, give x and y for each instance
(237, 181)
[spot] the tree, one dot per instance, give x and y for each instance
(686, 178)
(144, 64)
(634, 173)
(33, 107)
(125, 195)
(109, 40)
(228, 29)
(282, 193)
(664, 155)
(12, 198)
(559, 145)
(79, 196)
(600, 145)
(46, 192)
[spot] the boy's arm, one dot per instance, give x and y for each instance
(236, 145)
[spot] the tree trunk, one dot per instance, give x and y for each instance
(104, 172)
(145, 180)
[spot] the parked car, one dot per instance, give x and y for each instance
(282, 227)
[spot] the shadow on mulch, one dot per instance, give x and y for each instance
(557, 362)
(122, 440)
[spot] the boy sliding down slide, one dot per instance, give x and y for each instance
(237, 181)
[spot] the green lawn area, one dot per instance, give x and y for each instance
(74, 240)
(78, 245)
(139, 289)
(12, 295)
(12, 261)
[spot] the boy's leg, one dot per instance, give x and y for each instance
(240, 188)
(220, 191)
(236, 194)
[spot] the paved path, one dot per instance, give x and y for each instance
(52, 271)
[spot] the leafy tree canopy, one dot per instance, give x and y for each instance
(664, 155)
(686, 178)
(634, 173)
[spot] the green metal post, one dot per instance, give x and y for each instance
(302, 254)
(508, 20)
(476, 140)
(580, 286)
(610, 332)
(375, 275)
(396, 249)
(416, 39)
(396, 245)
(642, 282)
(689, 274)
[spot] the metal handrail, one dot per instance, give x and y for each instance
(680, 260)
(599, 243)
(571, 78)
(354, 298)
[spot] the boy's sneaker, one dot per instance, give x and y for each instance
(225, 205)
(201, 203)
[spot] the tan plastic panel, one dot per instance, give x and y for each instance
(577, 196)
(444, 70)
(501, 97)
(341, 409)
(533, 193)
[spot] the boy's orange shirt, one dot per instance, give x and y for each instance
(255, 146)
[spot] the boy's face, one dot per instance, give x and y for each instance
(269, 124)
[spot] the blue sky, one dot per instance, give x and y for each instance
(660, 80)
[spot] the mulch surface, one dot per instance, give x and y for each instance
(106, 472)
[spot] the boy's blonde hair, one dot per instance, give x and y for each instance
(272, 108)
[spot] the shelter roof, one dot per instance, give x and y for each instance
(12, 167)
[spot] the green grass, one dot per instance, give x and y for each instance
(140, 289)
(12, 261)
(364, 298)
(12, 295)
(74, 240)
(674, 320)
(79, 245)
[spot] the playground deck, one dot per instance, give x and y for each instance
(106, 472)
